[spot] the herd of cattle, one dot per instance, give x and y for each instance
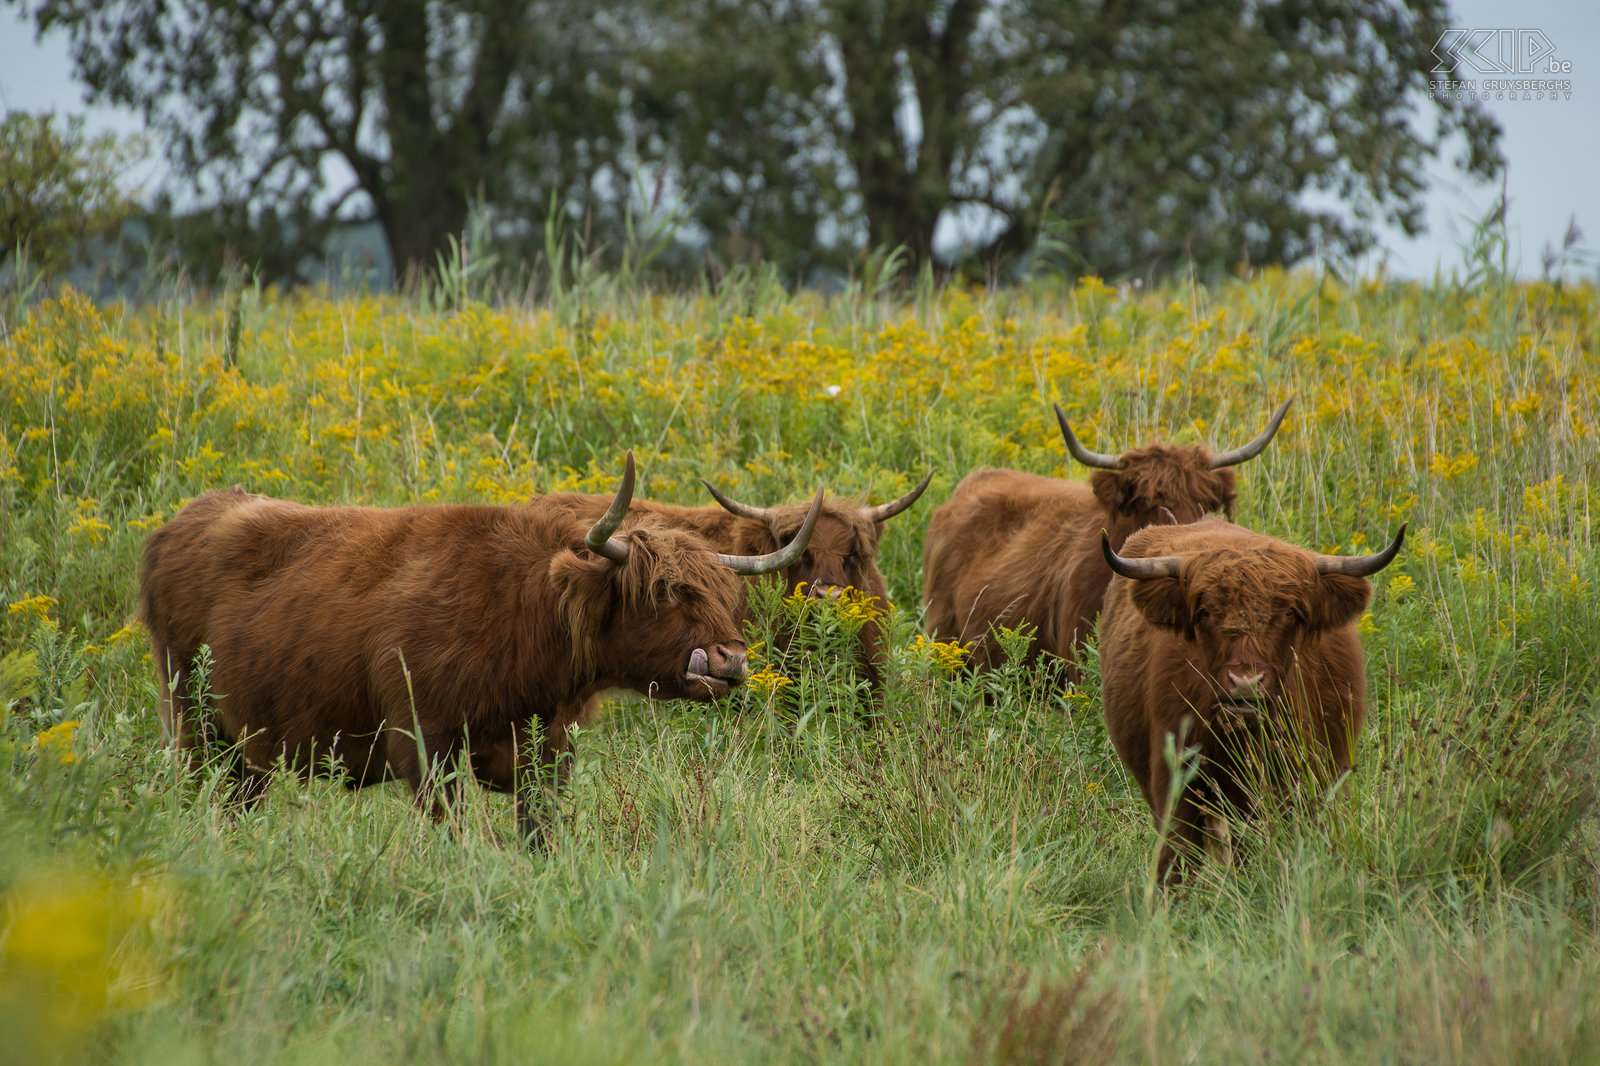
(393, 642)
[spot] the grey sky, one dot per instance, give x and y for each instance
(1553, 146)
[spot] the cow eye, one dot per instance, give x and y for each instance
(1202, 614)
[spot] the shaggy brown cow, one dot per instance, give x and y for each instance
(1010, 548)
(371, 635)
(1243, 650)
(842, 553)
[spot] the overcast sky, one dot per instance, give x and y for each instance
(1553, 147)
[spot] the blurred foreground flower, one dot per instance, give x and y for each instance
(74, 949)
(57, 741)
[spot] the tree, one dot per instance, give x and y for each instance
(1121, 136)
(59, 188)
(285, 117)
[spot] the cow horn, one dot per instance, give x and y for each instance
(1138, 568)
(885, 511)
(784, 556)
(1362, 565)
(1255, 447)
(599, 539)
(733, 506)
(1082, 454)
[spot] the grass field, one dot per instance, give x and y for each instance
(774, 878)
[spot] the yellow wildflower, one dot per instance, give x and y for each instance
(72, 950)
(57, 741)
(766, 682)
(858, 606)
(946, 656)
(1447, 468)
(89, 527)
(37, 607)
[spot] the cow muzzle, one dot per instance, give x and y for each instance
(717, 669)
(831, 593)
(1244, 681)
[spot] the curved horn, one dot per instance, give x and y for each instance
(1362, 565)
(599, 539)
(1255, 447)
(885, 511)
(733, 506)
(1140, 569)
(1082, 454)
(784, 556)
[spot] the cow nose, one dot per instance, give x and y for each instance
(825, 592)
(728, 663)
(1244, 680)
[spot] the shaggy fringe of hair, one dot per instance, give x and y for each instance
(664, 563)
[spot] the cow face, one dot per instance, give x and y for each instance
(842, 553)
(1163, 483)
(1244, 611)
(842, 550)
(664, 621)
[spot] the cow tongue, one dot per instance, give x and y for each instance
(698, 663)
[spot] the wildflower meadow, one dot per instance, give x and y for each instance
(956, 869)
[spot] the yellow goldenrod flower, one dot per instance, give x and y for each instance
(57, 741)
(945, 656)
(36, 607)
(766, 682)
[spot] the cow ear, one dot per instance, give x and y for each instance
(582, 581)
(1110, 489)
(1339, 600)
(583, 586)
(1162, 602)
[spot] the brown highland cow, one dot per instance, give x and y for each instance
(373, 635)
(1010, 548)
(1242, 649)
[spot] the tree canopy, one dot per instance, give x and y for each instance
(59, 187)
(1110, 136)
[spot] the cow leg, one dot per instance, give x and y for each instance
(433, 788)
(1218, 839)
(541, 784)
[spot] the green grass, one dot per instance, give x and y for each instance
(963, 877)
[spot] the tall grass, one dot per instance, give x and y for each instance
(956, 871)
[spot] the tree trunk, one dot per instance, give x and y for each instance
(435, 166)
(904, 186)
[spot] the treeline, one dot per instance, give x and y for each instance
(1115, 137)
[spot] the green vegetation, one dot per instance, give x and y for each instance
(1117, 140)
(787, 877)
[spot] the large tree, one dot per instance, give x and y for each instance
(282, 116)
(1136, 136)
